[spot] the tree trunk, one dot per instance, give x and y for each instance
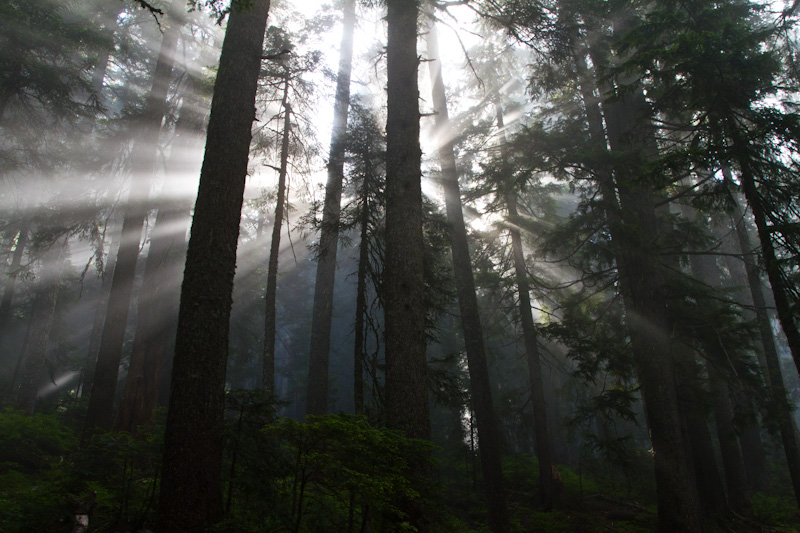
(144, 154)
(268, 379)
(694, 407)
(154, 339)
(489, 438)
(771, 263)
(107, 19)
(641, 286)
(694, 413)
(406, 367)
(101, 307)
(404, 284)
(361, 305)
(774, 376)
(42, 317)
(191, 481)
(632, 223)
(705, 269)
(9, 283)
(531, 343)
(317, 399)
(752, 446)
(732, 460)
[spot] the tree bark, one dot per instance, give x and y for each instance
(752, 446)
(317, 399)
(771, 263)
(268, 378)
(191, 482)
(634, 238)
(694, 411)
(144, 154)
(159, 296)
(705, 269)
(732, 459)
(774, 377)
(692, 394)
(531, 344)
(488, 436)
(406, 365)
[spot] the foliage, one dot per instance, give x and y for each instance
(46, 56)
(341, 468)
(33, 472)
(45, 479)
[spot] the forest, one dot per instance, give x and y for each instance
(399, 265)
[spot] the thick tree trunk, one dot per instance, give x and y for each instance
(406, 366)
(144, 154)
(268, 378)
(531, 343)
(642, 289)
(694, 407)
(774, 376)
(404, 284)
(159, 296)
(488, 436)
(694, 411)
(42, 317)
(752, 446)
(777, 281)
(632, 223)
(732, 459)
(191, 481)
(317, 399)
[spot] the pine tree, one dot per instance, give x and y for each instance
(317, 398)
(104, 383)
(406, 366)
(191, 484)
(488, 436)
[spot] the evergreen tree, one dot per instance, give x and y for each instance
(317, 400)
(191, 485)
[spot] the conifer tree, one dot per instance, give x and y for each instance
(191, 484)
(317, 398)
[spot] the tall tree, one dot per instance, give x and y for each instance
(529, 336)
(406, 368)
(268, 358)
(629, 205)
(42, 317)
(689, 51)
(144, 155)
(773, 375)
(158, 297)
(317, 398)
(705, 269)
(106, 274)
(404, 284)
(191, 486)
(366, 153)
(488, 437)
